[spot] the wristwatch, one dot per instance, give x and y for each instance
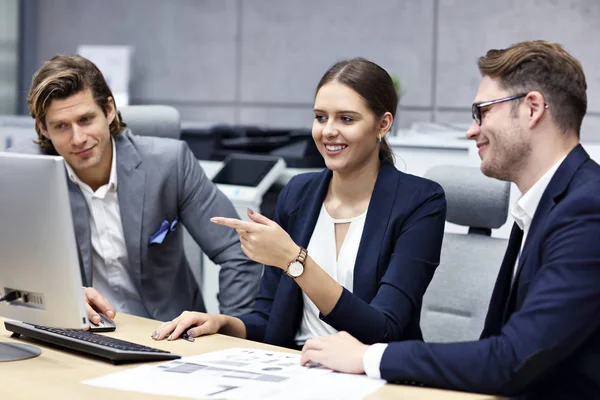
(296, 267)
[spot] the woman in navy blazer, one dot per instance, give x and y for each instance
(400, 241)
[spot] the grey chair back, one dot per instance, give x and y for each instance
(152, 120)
(456, 301)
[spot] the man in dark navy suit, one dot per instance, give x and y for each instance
(541, 337)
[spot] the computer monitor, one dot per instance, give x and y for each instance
(38, 251)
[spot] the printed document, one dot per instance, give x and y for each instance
(240, 373)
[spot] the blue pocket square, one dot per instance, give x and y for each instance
(162, 232)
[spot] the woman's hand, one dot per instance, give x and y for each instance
(263, 240)
(340, 352)
(191, 323)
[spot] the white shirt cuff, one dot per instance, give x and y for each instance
(372, 360)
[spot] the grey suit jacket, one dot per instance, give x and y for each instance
(160, 179)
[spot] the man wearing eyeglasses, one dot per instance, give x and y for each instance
(541, 337)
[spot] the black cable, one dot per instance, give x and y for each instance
(12, 296)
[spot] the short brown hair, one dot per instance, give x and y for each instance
(545, 67)
(373, 84)
(64, 76)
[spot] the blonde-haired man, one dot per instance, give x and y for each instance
(129, 195)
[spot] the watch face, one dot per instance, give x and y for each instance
(295, 269)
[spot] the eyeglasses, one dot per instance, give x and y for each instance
(476, 107)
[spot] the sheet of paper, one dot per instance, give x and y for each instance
(240, 373)
(334, 386)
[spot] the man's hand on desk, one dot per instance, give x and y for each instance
(95, 303)
(340, 352)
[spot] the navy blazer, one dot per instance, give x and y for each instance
(541, 337)
(398, 254)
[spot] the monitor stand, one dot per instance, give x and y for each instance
(17, 351)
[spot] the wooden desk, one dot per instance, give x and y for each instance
(56, 374)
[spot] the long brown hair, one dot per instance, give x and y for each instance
(373, 84)
(64, 76)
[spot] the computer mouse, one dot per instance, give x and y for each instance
(105, 324)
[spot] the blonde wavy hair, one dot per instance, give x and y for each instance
(64, 76)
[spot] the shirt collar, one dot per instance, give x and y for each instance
(112, 181)
(524, 209)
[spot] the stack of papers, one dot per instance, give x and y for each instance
(240, 373)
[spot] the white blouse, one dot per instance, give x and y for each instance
(322, 249)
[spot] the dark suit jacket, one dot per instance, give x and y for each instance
(160, 179)
(399, 252)
(542, 336)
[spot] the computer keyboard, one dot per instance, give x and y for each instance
(108, 348)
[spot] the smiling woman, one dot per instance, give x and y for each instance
(351, 248)
(345, 131)
(357, 97)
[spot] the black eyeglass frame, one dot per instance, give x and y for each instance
(476, 107)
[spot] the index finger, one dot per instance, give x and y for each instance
(235, 223)
(99, 303)
(92, 315)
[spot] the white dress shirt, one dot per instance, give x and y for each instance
(524, 209)
(110, 263)
(523, 212)
(322, 249)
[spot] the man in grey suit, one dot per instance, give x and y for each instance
(129, 196)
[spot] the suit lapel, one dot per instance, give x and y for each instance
(557, 186)
(380, 207)
(81, 225)
(546, 204)
(372, 239)
(365, 272)
(131, 186)
(301, 232)
(309, 211)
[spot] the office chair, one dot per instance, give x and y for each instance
(456, 301)
(152, 120)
